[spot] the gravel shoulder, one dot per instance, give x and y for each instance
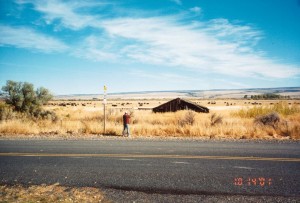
(146, 137)
(56, 193)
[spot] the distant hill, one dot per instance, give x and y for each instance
(293, 92)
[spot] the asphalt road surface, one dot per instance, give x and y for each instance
(159, 170)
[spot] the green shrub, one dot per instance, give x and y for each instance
(49, 115)
(271, 119)
(22, 98)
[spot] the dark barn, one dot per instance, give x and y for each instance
(180, 104)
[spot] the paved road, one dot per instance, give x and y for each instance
(210, 168)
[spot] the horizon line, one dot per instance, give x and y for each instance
(184, 91)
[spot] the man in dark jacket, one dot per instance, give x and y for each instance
(126, 120)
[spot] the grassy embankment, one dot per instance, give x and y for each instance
(236, 124)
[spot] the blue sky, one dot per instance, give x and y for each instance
(76, 47)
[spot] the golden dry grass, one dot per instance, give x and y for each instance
(50, 193)
(282, 108)
(88, 120)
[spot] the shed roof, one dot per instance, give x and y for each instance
(180, 104)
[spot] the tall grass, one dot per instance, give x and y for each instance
(86, 121)
(19, 127)
(282, 108)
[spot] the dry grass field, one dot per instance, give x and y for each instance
(232, 119)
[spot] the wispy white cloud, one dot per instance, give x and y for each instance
(215, 46)
(232, 84)
(23, 37)
(179, 2)
(196, 10)
(162, 76)
(67, 12)
(239, 34)
(95, 49)
(201, 48)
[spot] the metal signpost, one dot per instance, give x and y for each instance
(104, 104)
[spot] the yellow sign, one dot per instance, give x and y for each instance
(105, 88)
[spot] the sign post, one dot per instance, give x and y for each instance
(104, 104)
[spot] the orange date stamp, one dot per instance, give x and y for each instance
(253, 181)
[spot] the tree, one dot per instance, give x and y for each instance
(43, 95)
(23, 98)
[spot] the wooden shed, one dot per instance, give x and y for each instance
(180, 104)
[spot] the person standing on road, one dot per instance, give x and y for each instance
(126, 120)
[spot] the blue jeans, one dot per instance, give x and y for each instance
(126, 129)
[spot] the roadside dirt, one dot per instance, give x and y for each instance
(50, 193)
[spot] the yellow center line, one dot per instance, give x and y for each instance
(164, 156)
